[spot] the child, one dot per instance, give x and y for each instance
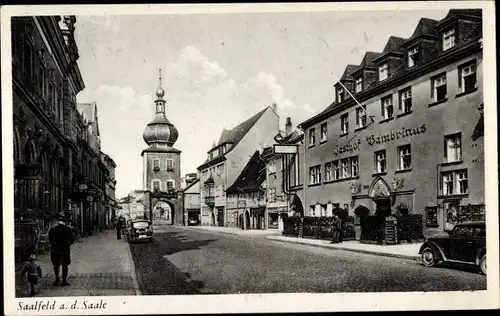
(34, 272)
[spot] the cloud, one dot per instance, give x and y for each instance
(202, 99)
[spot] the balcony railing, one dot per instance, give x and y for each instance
(209, 200)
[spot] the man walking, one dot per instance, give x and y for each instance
(61, 238)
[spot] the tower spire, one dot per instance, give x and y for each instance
(160, 92)
(160, 77)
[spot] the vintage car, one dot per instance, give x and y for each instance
(193, 221)
(139, 230)
(465, 244)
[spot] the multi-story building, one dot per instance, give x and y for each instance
(188, 179)
(110, 187)
(45, 81)
(192, 202)
(162, 164)
(226, 160)
(133, 205)
(405, 130)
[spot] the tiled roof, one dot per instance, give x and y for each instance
(348, 71)
(393, 45)
(474, 12)
(251, 177)
(368, 59)
(425, 27)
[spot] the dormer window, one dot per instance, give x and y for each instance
(413, 56)
(448, 39)
(340, 94)
(359, 84)
(383, 72)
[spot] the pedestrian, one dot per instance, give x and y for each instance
(61, 238)
(119, 228)
(335, 238)
(34, 272)
(339, 230)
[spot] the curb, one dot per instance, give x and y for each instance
(376, 253)
(223, 232)
(134, 275)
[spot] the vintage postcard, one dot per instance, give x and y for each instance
(245, 158)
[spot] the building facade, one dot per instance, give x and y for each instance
(226, 160)
(110, 187)
(192, 203)
(405, 130)
(162, 163)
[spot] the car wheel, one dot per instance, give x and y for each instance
(428, 257)
(482, 264)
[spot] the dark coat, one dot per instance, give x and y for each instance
(61, 238)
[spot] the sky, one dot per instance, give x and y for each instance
(218, 70)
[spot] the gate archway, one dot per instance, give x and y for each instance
(164, 210)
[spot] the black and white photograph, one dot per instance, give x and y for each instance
(249, 158)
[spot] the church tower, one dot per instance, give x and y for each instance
(162, 166)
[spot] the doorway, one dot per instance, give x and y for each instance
(247, 220)
(383, 207)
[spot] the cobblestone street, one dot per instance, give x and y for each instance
(101, 265)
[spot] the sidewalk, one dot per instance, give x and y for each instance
(234, 230)
(404, 251)
(101, 265)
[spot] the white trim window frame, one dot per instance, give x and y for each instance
(467, 77)
(346, 168)
(462, 186)
(405, 102)
(453, 147)
(439, 89)
(359, 84)
(324, 132)
(380, 161)
(448, 39)
(354, 166)
(155, 184)
(344, 123)
(170, 164)
(361, 116)
(387, 108)
(315, 174)
(312, 136)
(413, 56)
(340, 94)
(383, 72)
(336, 170)
(328, 172)
(156, 164)
(170, 184)
(404, 157)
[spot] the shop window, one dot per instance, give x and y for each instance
(359, 84)
(438, 92)
(361, 117)
(344, 123)
(312, 136)
(454, 182)
(467, 78)
(405, 103)
(315, 175)
(380, 163)
(448, 39)
(328, 172)
(404, 155)
(324, 133)
(387, 108)
(431, 217)
(413, 57)
(383, 72)
(340, 94)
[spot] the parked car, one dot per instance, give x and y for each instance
(193, 221)
(465, 244)
(139, 230)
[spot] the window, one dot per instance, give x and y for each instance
(448, 39)
(336, 170)
(344, 123)
(463, 231)
(383, 72)
(354, 166)
(467, 78)
(170, 164)
(223, 193)
(346, 172)
(312, 210)
(387, 108)
(312, 136)
(328, 172)
(453, 148)
(454, 182)
(29, 59)
(170, 185)
(359, 84)
(380, 161)
(413, 55)
(324, 133)
(315, 175)
(323, 210)
(431, 216)
(361, 117)
(156, 164)
(438, 92)
(340, 94)
(404, 155)
(156, 185)
(405, 101)
(272, 194)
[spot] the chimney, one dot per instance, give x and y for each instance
(288, 126)
(274, 107)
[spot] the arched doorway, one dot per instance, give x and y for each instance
(164, 211)
(296, 206)
(247, 220)
(380, 193)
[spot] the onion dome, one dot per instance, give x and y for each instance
(160, 132)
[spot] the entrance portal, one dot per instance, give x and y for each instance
(164, 211)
